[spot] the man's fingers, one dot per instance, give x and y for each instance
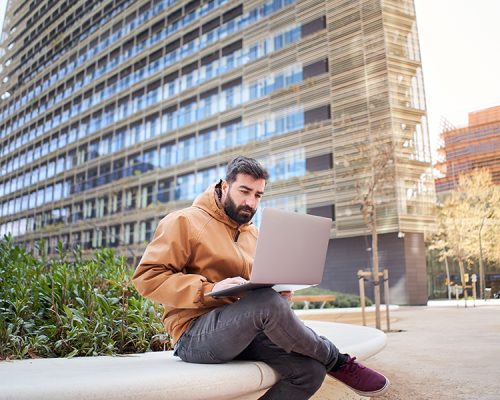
(229, 282)
(237, 280)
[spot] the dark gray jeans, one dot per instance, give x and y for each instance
(261, 326)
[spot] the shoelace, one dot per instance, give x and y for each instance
(351, 365)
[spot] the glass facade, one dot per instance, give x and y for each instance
(70, 116)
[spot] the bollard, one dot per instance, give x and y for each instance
(361, 280)
(386, 299)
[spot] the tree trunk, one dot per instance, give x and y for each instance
(481, 265)
(447, 276)
(462, 277)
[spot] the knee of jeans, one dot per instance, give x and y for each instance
(312, 376)
(270, 299)
(309, 374)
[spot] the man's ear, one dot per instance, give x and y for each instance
(224, 187)
(224, 190)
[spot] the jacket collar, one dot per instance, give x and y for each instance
(207, 201)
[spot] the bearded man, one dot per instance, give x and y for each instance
(209, 247)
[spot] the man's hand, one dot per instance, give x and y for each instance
(229, 283)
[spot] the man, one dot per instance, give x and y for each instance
(210, 246)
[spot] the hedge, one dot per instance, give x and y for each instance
(342, 300)
(66, 306)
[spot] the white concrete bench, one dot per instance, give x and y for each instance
(160, 375)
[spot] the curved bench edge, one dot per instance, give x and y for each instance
(161, 375)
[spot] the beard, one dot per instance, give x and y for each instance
(235, 212)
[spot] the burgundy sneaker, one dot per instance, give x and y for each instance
(362, 380)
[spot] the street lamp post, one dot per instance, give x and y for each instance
(481, 265)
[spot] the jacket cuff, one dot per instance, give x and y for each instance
(207, 287)
(209, 301)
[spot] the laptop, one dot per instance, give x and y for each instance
(290, 254)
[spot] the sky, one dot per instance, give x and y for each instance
(460, 50)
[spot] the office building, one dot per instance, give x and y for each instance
(464, 149)
(115, 112)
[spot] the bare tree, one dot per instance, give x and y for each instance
(370, 190)
(438, 241)
(483, 198)
(454, 216)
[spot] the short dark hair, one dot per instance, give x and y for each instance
(247, 166)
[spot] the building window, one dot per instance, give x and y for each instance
(130, 202)
(146, 196)
(316, 68)
(115, 203)
(113, 236)
(164, 190)
(319, 163)
(327, 211)
(313, 26)
(130, 233)
(317, 115)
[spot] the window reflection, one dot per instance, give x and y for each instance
(205, 143)
(227, 63)
(199, 144)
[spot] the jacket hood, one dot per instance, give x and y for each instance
(206, 201)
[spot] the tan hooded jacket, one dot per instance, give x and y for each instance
(192, 249)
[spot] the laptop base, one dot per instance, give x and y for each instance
(236, 290)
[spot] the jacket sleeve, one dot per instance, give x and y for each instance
(159, 275)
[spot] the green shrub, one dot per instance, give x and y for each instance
(342, 300)
(61, 308)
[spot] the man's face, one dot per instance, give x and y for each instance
(242, 197)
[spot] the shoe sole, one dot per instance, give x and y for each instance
(375, 393)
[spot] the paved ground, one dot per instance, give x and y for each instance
(438, 353)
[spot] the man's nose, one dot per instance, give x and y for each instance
(250, 202)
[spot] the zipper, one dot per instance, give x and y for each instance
(235, 240)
